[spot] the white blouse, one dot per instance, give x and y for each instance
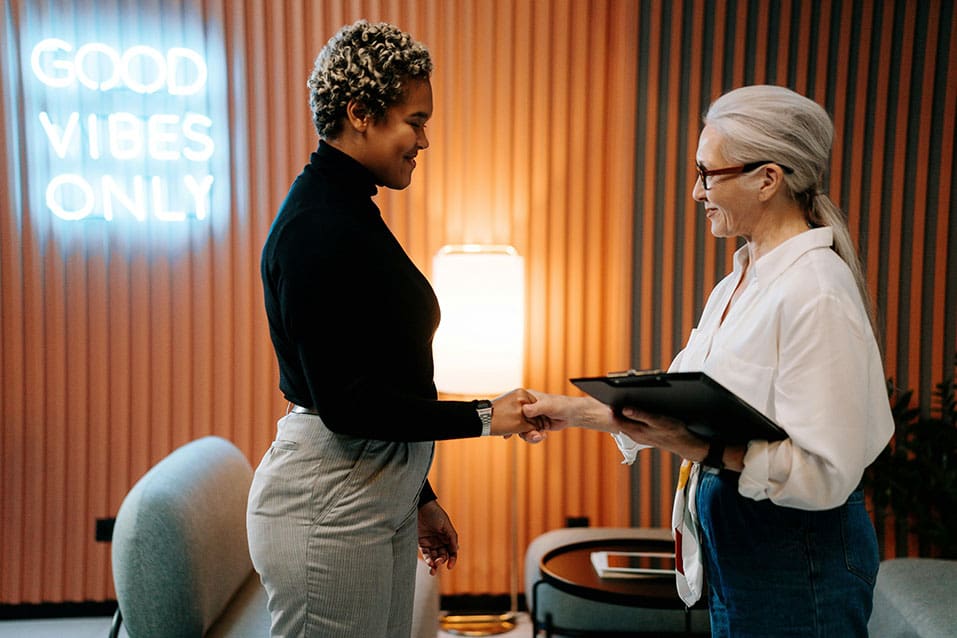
(798, 346)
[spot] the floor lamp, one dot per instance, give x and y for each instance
(479, 351)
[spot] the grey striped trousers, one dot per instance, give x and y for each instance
(331, 521)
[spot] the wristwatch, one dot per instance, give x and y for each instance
(715, 457)
(484, 409)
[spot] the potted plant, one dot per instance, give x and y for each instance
(915, 478)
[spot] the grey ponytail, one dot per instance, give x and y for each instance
(825, 212)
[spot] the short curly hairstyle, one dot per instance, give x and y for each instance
(364, 62)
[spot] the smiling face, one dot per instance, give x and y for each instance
(392, 141)
(730, 204)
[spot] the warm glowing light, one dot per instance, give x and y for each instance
(479, 346)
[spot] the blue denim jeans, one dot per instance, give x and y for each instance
(778, 571)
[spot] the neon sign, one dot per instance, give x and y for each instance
(131, 141)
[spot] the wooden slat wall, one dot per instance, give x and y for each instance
(563, 102)
(113, 351)
(887, 73)
(112, 356)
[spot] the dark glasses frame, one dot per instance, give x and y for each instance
(705, 173)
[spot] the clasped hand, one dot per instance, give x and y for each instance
(551, 412)
(508, 417)
(532, 414)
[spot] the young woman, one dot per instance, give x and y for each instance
(341, 496)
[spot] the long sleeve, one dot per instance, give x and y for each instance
(797, 345)
(350, 315)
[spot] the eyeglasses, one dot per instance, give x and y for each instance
(704, 174)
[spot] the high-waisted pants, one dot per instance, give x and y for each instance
(332, 531)
(776, 571)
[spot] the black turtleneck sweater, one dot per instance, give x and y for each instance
(350, 316)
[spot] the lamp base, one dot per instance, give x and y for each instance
(478, 624)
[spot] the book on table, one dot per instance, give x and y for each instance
(610, 564)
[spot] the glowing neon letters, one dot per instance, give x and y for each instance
(114, 148)
(140, 68)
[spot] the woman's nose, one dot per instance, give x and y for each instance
(698, 193)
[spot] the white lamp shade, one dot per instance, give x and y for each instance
(479, 346)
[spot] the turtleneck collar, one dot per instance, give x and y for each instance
(353, 174)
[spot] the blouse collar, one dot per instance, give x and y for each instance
(772, 264)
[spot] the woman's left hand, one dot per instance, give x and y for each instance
(662, 432)
(438, 540)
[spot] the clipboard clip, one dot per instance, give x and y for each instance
(633, 373)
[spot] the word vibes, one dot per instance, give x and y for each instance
(101, 160)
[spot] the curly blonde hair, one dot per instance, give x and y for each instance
(368, 63)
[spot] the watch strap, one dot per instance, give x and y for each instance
(484, 410)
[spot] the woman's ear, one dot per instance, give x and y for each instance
(357, 115)
(772, 181)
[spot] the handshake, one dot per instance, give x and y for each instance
(532, 414)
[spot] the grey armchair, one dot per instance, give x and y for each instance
(181, 563)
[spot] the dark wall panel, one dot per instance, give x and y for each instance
(887, 74)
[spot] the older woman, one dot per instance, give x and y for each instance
(340, 497)
(786, 545)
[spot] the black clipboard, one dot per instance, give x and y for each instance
(708, 408)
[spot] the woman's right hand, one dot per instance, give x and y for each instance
(508, 417)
